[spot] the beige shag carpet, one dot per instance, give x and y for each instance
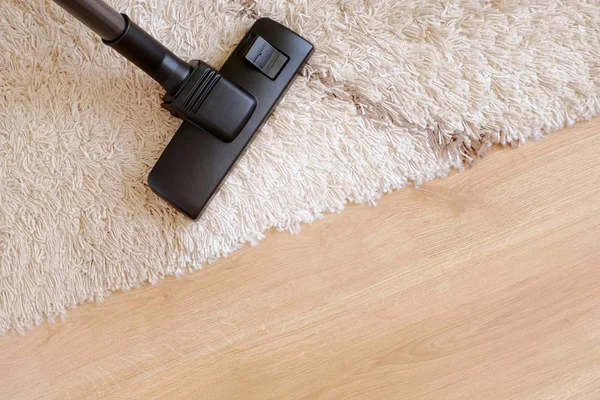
(398, 92)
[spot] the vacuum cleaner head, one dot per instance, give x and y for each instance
(223, 112)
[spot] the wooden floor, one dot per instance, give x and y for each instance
(484, 285)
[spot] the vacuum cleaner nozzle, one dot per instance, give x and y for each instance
(222, 111)
(196, 163)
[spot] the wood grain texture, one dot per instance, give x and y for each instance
(483, 285)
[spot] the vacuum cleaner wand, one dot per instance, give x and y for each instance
(96, 15)
(222, 111)
(131, 41)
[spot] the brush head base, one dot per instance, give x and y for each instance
(196, 163)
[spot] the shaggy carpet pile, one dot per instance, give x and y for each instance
(398, 92)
